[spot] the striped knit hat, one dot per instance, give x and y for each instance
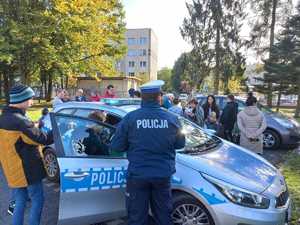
(20, 93)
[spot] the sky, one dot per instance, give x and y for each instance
(165, 17)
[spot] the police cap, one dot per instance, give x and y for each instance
(152, 87)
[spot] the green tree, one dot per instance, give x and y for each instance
(292, 31)
(282, 69)
(269, 14)
(187, 69)
(51, 40)
(213, 28)
(165, 74)
(178, 72)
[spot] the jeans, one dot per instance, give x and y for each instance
(36, 194)
(142, 192)
(12, 195)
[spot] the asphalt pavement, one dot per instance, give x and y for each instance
(50, 211)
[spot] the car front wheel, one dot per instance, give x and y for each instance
(271, 139)
(187, 210)
(51, 165)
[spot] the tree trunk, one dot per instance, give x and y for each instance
(50, 86)
(217, 71)
(6, 85)
(1, 85)
(297, 112)
(217, 46)
(8, 78)
(272, 40)
(278, 100)
(67, 82)
(44, 78)
(23, 72)
(62, 82)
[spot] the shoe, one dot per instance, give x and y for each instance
(11, 208)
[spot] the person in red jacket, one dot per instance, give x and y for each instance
(95, 97)
(110, 92)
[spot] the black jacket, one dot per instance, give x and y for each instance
(20, 156)
(229, 115)
(150, 136)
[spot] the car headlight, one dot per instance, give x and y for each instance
(238, 195)
(284, 122)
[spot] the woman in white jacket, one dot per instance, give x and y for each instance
(252, 124)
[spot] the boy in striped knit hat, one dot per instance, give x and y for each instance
(20, 157)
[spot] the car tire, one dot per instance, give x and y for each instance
(51, 166)
(183, 203)
(271, 140)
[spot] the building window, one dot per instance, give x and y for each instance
(142, 52)
(143, 40)
(131, 52)
(131, 74)
(131, 64)
(131, 41)
(143, 63)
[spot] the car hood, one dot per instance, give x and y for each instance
(234, 165)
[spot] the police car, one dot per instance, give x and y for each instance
(216, 183)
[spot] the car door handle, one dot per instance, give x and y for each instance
(76, 175)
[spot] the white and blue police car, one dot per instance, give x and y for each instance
(216, 183)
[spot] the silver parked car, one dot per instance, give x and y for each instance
(281, 131)
(216, 182)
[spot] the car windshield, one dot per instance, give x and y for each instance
(264, 108)
(196, 139)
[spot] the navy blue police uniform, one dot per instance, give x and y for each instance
(150, 136)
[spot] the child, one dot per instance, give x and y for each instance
(211, 122)
(45, 112)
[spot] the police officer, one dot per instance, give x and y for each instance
(150, 136)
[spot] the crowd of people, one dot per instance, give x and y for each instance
(245, 127)
(63, 95)
(26, 181)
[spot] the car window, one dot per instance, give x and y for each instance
(112, 119)
(201, 100)
(84, 138)
(83, 113)
(66, 111)
(264, 109)
(241, 104)
(221, 102)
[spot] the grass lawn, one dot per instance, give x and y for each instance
(291, 171)
(35, 112)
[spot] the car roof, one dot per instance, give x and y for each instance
(118, 110)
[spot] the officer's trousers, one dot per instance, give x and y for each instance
(155, 192)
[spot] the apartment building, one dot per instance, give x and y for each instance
(141, 58)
